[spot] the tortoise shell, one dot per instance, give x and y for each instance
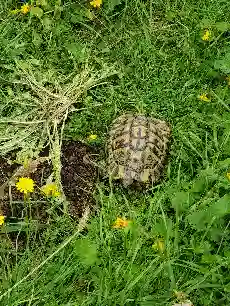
(137, 149)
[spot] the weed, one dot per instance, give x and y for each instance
(173, 60)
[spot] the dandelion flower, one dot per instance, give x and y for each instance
(228, 175)
(92, 137)
(2, 220)
(159, 245)
(121, 223)
(204, 97)
(96, 3)
(25, 8)
(51, 190)
(207, 35)
(25, 185)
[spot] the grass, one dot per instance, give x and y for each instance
(162, 67)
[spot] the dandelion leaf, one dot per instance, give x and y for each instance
(215, 211)
(36, 11)
(86, 252)
(199, 185)
(112, 4)
(222, 26)
(180, 200)
(223, 64)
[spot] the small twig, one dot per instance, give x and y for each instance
(22, 122)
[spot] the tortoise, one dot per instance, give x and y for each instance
(137, 149)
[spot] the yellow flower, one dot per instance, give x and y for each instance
(25, 8)
(92, 137)
(204, 97)
(159, 245)
(25, 185)
(121, 223)
(207, 35)
(96, 3)
(228, 175)
(51, 190)
(2, 220)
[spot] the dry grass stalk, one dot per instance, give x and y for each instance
(44, 107)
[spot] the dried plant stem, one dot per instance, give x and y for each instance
(43, 107)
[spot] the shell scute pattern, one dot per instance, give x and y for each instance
(137, 148)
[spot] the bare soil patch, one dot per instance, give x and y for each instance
(78, 181)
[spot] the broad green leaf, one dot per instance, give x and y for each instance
(80, 14)
(37, 39)
(216, 232)
(86, 251)
(163, 228)
(223, 182)
(199, 185)
(209, 173)
(197, 219)
(36, 11)
(170, 15)
(221, 207)
(34, 62)
(202, 247)
(209, 259)
(103, 47)
(75, 18)
(47, 22)
(206, 23)
(42, 2)
(224, 163)
(223, 64)
(216, 210)
(180, 200)
(89, 14)
(78, 51)
(57, 12)
(112, 3)
(227, 288)
(222, 26)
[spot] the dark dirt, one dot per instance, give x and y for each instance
(78, 175)
(78, 182)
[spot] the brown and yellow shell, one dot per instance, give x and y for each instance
(137, 149)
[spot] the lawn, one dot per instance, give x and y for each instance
(67, 70)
